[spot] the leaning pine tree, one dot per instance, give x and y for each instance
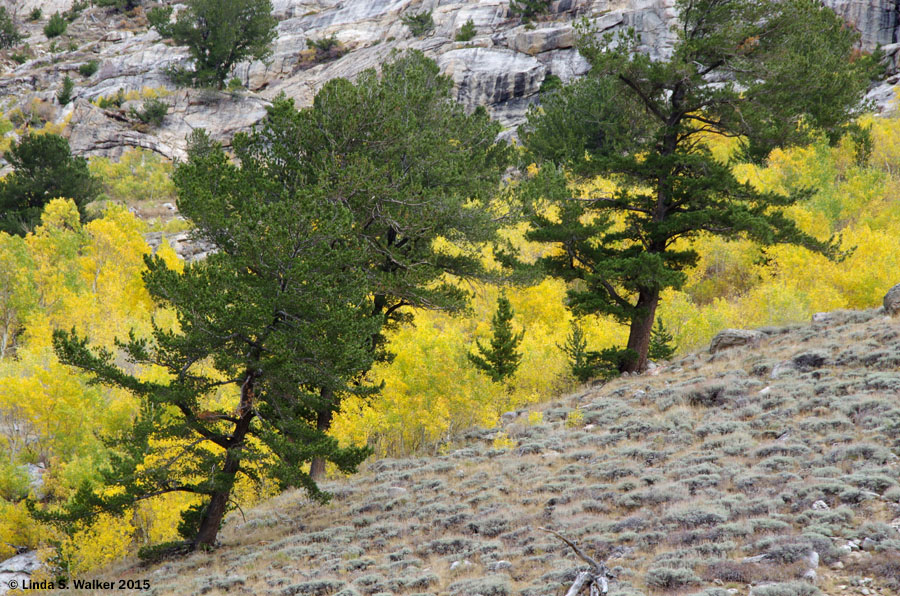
(768, 73)
(267, 329)
(414, 170)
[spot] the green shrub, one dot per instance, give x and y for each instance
(73, 12)
(113, 101)
(65, 94)
(35, 15)
(466, 32)
(158, 17)
(9, 34)
(89, 68)
(322, 45)
(787, 589)
(235, 84)
(667, 578)
(119, 5)
(152, 112)
(550, 83)
(419, 24)
(56, 26)
(529, 8)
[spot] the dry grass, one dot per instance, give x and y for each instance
(709, 475)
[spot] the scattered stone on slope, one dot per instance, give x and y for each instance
(183, 243)
(892, 301)
(18, 568)
(730, 338)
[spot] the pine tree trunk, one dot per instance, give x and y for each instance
(639, 334)
(215, 510)
(317, 467)
(218, 502)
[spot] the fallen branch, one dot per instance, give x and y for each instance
(597, 578)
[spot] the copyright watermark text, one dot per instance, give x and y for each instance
(79, 584)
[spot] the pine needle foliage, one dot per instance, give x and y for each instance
(9, 33)
(644, 125)
(662, 344)
(328, 223)
(268, 317)
(501, 359)
(43, 169)
(218, 36)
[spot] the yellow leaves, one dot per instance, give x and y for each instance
(97, 545)
(157, 519)
(138, 176)
(59, 214)
(502, 441)
(170, 257)
(17, 528)
(575, 418)
(432, 391)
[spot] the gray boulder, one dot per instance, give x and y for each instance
(892, 301)
(730, 338)
(18, 568)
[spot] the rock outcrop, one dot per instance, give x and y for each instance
(892, 301)
(501, 68)
(18, 569)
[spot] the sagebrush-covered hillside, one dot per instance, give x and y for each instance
(768, 469)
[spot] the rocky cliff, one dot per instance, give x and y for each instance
(502, 67)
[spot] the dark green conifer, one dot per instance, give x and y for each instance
(642, 123)
(43, 169)
(501, 359)
(662, 344)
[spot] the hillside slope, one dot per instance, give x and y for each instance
(768, 469)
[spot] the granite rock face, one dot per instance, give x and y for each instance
(501, 68)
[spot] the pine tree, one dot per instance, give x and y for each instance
(661, 342)
(9, 33)
(414, 171)
(734, 73)
(218, 35)
(501, 359)
(585, 364)
(326, 225)
(43, 169)
(580, 361)
(270, 317)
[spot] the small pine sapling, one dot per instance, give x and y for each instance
(9, 34)
(467, 31)
(662, 344)
(419, 24)
(501, 358)
(56, 26)
(65, 93)
(585, 364)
